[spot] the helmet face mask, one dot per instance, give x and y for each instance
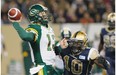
(76, 45)
(111, 24)
(67, 36)
(43, 15)
(111, 20)
(66, 33)
(78, 42)
(38, 14)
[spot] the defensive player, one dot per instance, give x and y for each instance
(78, 58)
(65, 33)
(107, 42)
(41, 40)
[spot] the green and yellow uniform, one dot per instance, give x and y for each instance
(41, 40)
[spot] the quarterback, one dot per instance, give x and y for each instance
(40, 37)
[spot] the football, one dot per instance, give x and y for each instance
(14, 14)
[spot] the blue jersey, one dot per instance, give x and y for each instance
(79, 64)
(108, 38)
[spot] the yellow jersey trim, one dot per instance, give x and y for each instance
(35, 31)
(41, 72)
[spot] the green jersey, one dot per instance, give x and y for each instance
(41, 41)
(42, 45)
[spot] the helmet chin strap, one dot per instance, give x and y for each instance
(111, 25)
(44, 23)
(76, 51)
(111, 28)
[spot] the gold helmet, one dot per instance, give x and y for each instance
(80, 35)
(111, 20)
(78, 42)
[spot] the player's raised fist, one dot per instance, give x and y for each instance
(14, 15)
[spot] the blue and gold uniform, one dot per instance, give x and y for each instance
(80, 64)
(78, 58)
(108, 39)
(107, 42)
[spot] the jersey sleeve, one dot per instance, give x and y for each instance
(93, 54)
(57, 48)
(33, 31)
(101, 35)
(22, 33)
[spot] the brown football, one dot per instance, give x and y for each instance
(14, 14)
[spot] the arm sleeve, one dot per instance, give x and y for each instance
(100, 47)
(101, 39)
(57, 49)
(26, 36)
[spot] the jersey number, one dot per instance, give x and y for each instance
(74, 63)
(50, 44)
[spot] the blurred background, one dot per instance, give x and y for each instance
(87, 15)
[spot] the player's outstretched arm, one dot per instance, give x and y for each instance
(98, 60)
(15, 16)
(61, 46)
(102, 62)
(26, 36)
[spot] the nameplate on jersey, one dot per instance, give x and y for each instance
(81, 57)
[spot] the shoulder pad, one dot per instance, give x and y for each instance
(93, 54)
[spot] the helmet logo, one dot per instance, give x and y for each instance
(33, 12)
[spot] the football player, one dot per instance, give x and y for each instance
(65, 33)
(40, 37)
(107, 42)
(78, 58)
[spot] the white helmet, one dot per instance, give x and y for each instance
(66, 33)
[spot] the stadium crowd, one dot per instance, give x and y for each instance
(65, 11)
